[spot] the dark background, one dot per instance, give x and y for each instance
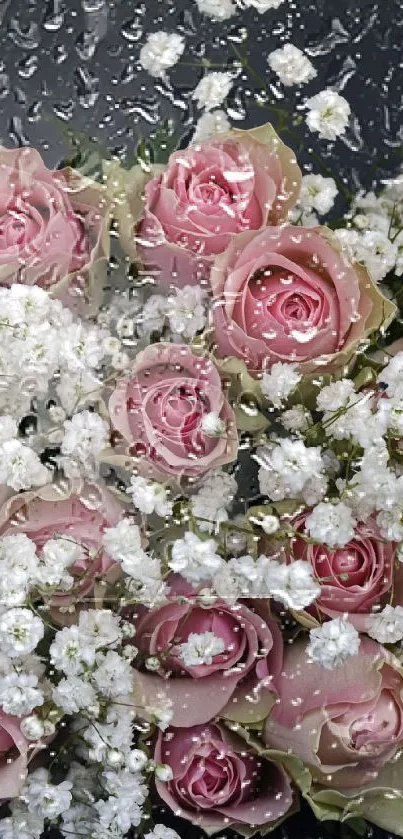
(76, 62)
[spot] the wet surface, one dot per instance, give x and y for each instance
(78, 62)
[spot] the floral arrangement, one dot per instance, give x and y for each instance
(201, 520)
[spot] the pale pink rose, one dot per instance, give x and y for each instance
(354, 579)
(218, 781)
(81, 517)
(209, 192)
(52, 223)
(346, 723)
(160, 408)
(14, 756)
(289, 294)
(239, 684)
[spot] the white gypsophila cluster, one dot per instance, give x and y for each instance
(377, 252)
(317, 194)
(212, 425)
(375, 238)
(386, 626)
(18, 568)
(292, 584)
(328, 114)
(195, 559)
(113, 734)
(291, 65)
(151, 317)
(209, 125)
(290, 469)
(20, 632)
(360, 420)
(331, 524)
(21, 824)
(123, 544)
(217, 9)
(200, 648)
(20, 466)
(160, 831)
(161, 51)
(44, 798)
(186, 311)
(262, 6)
(75, 648)
(74, 694)
(296, 419)
(149, 496)
(20, 693)
(376, 487)
(40, 338)
(57, 556)
(336, 395)
(392, 375)
(213, 89)
(211, 503)
(85, 437)
(332, 644)
(278, 385)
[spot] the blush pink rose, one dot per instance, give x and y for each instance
(14, 755)
(160, 409)
(239, 684)
(52, 223)
(208, 193)
(289, 294)
(354, 579)
(346, 723)
(82, 517)
(218, 781)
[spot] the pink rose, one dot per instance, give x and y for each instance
(13, 757)
(289, 294)
(42, 515)
(161, 409)
(218, 781)
(354, 579)
(52, 223)
(240, 683)
(208, 192)
(346, 723)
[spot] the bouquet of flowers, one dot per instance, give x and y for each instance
(201, 477)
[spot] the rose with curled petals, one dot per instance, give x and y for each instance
(53, 225)
(82, 517)
(207, 193)
(218, 781)
(289, 294)
(162, 411)
(344, 724)
(354, 579)
(239, 683)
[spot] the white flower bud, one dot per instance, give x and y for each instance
(153, 663)
(136, 760)
(114, 757)
(212, 425)
(129, 652)
(32, 728)
(164, 772)
(270, 524)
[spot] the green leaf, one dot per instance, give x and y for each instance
(164, 141)
(86, 153)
